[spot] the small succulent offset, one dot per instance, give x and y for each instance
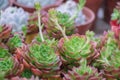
(62, 20)
(84, 72)
(3, 52)
(109, 57)
(27, 74)
(116, 15)
(115, 20)
(42, 54)
(14, 42)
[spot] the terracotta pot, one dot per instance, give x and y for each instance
(90, 16)
(94, 5)
(109, 6)
(32, 9)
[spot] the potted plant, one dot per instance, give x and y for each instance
(42, 56)
(16, 17)
(82, 16)
(115, 21)
(109, 57)
(109, 8)
(94, 5)
(14, 42)
(28, 5)
(72, 48)
(84, 72)
(63, 20)
(4, 4)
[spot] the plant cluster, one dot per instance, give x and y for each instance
(74, 57)
(115, 20)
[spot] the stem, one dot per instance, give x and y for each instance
(40, 27)
(60, 28)
(74, 16)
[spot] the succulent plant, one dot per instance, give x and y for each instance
(24, 78)
(16, 17)
(42, 55)
(5, 32)
(116, 15)
(74, 47)
(115, 20)
(9, 66)
(14, 42)
(62, 20)
(109, 57)
(74, 10)
(84, 72)
(27, 74)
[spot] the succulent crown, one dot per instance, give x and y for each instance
(84, 72)
(109, 51)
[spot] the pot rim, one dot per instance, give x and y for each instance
(14, 2)
(92, 16)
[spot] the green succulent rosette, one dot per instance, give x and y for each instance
(76, 48)
(84, 72)
(44, 57)
(109, 57)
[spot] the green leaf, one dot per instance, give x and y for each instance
(76, 48)
(1, 28)
(84, 68)
(27, 74)
(109, 53)
(62, 18)
(15, 42)
(37, 6)
(3, 53)
(24, 29)
(44, 54)
(81, 4)
(6, 64)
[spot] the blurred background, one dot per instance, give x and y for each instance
(101, 8)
